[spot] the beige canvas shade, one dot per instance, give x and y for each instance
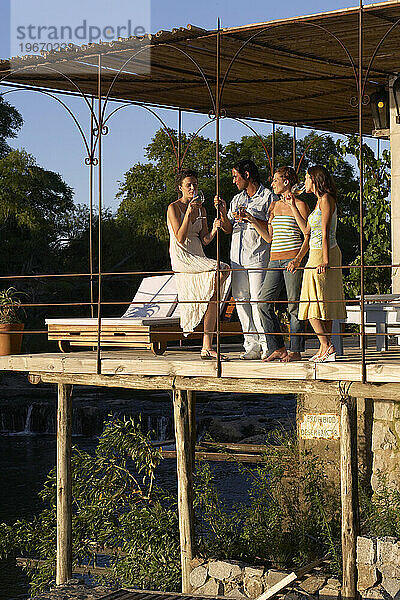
(297, 71)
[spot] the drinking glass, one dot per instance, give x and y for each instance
(199, 197)
(298, 189)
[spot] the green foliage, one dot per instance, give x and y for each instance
(115, 505)
(10, 306)
(292, 516)
(376, 222)
(380, 513)
(10, 123)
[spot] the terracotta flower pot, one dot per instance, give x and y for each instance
(10, 343)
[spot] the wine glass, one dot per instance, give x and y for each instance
(199, 197)
(298, 189)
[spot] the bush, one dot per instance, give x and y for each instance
(291, 515)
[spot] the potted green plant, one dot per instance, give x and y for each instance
(11, 324)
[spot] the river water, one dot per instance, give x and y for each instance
(28, 449)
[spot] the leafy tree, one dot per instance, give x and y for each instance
(148, 188)
(376, 223)
(117, 506)
(292, 514)
(10, 123)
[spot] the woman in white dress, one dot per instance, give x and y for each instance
(194, 273)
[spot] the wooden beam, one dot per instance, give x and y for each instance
(185, 484)
(191, 397)
(218, 456)
(349, 495)
(64, 485)
(376, 391)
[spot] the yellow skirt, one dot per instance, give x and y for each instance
(317, 289)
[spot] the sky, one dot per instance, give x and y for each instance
(48, 133)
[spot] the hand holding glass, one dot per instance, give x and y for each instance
(199, 197)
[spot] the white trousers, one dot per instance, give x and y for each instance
(246, 287)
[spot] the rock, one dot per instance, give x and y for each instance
(224, 570)
(386, 550)
(384, 411)
(366, 550)
(198, 576)
(254, 571)
(396, 554)
(334, 583)
(196, 561)
(391, 585)
(74, 590)
(367, 577)
(253, 586)
(389, 441)
(312, 584)
(377, 593)
(236, 593)
(328, 592)
(211, 588)
(390, 570)
(295, 595)
(273, 576)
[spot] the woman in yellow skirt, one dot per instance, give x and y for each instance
(322, 298)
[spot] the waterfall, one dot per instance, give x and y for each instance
(162, 428)
(27, 428)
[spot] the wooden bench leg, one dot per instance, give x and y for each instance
(64, 345)
(158, 348)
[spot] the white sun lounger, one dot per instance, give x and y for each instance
(150, 322)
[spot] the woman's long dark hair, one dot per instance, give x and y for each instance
(323, 180)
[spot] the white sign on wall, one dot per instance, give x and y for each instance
(320, 426)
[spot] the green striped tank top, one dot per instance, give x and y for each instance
(286, 234)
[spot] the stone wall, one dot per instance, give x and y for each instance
(386, 442)
(238, 580)
(378, 563)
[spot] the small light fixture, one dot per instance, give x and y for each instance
(379, 102)
(396, 95)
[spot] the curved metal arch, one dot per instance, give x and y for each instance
(150, 110)
(167, 46)
(258, 137)
(83, 95)
(343, 46)
(389, 31)
(317, 137)
(196, 133)
(89, 154)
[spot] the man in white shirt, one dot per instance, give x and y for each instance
(247, 216)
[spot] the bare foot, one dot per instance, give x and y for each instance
(291, 357)
(276, 355)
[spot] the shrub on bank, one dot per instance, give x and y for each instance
(290, 516)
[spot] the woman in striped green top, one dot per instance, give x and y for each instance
(287, 221)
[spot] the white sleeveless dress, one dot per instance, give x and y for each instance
(194, 275)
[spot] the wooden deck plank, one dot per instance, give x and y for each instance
(181, 363)
(340, 370)
(255, 369)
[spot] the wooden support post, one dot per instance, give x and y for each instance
(185, 484)
(191, 397)
(64, 484)
(349, 495)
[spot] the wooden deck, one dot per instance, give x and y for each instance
(184, 369)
